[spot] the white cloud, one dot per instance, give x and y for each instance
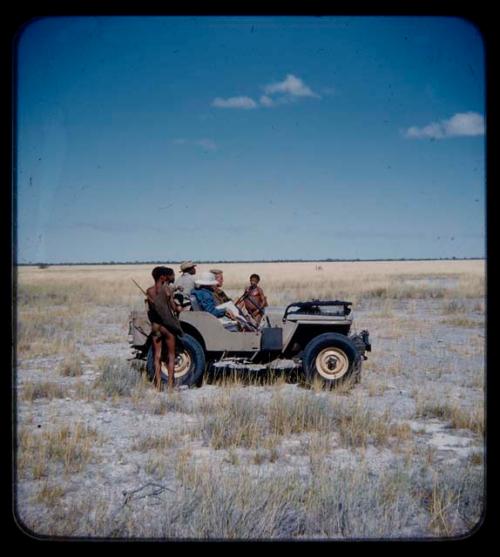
(266, 101)
(291, 85)
(467, 123)
(283, 92)
(434, 130)
(459, 125)
(234, 102)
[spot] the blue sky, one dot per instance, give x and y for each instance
(219, 138)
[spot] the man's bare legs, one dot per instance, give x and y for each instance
(157, 341)
(170, 341)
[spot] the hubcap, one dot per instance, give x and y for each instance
(332, 363)
(181, 366)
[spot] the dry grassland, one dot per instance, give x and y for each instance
(101, 454)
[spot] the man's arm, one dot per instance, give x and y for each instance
(151, 293)
(263, 298)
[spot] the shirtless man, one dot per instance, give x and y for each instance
(254, 298)
(164, 325)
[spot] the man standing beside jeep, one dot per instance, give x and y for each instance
(162, 314)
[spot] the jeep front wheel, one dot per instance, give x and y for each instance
(331, 358)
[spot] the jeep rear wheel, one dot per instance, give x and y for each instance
(332, 358)
(189, 362)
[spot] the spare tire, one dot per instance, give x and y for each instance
(332, 358)
(189, 362)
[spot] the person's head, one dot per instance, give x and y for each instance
(219, 276)
(163, 274)
(254, 279)
(206, 280)
(188, 267)
(170, 274)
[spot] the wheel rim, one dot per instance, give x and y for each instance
(181, 366)
(332, 363)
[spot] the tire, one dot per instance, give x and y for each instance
(189, 362)
(331, 358)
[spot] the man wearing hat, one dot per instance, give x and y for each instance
(204, 294)
(185, 282)
(224, 301)
(227, 312)
(220, 296)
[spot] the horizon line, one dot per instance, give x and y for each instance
(210, 261)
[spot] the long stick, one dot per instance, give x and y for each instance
(139, 287)
(151, 301)
(261, 310)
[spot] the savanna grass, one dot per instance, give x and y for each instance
(38, 452)
(111, 285)
(35, 390)
(116, 378)
(71, 366)
(457, 416)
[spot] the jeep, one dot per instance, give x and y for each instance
(314, 338)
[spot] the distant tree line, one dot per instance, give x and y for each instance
(43, 265)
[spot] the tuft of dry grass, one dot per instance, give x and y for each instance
(49, 494)
(476, 459)
(237, 423)
(453, 307)
(232, 457)
(71, 366)
(46, 328)
(46, 389)
(87, 516)
(84, 391)
(156, 443)
(454, 500)
(451, 412)
(171, 402)
(298, 414)
(117, 378)
(156, 466)
(69, 446)
(184, 469)
(358, 426)
(463, 321)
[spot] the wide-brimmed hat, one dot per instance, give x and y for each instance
(185, 265)
(206, 279)
(216, 271)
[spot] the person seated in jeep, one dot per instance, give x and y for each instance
(224, 301)
(220, 296)
(227, 312)
(253, 299)
(185, 284)
(204, 294)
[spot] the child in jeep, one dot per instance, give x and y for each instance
(254, 299)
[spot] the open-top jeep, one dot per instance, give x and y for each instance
(314, 338)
